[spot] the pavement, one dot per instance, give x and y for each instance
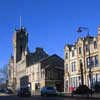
(14, 97)
(4, 96)
(94, 96)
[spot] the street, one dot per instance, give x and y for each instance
(40, 98)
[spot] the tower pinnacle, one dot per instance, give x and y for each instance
(20, 21)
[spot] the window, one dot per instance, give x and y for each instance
(66, 56)
(80, 50)
(87, 62)
(98, 78)
(73, 66)
(42, 74)
(49, 75)
(96, 60)
(66, 68)
(73, 81)
(56, 75)
(81, 64)
(37, 75)
(33, 76)
(72, 53)
(92, 61)
(66, 84)
(9, 73)
(87, 48)
(95, 44)
(29, 78)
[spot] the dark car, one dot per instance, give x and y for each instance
(9, 91)
(48, 90)
(96, 87)
(2, 91)
(82, 90)
(24, 92)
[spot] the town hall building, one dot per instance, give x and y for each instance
(34, 69)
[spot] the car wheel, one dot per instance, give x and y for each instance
(42, 94)
(72, 94)
(18, 94)
(29, 95)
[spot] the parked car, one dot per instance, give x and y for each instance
(82, 90)
(96, 87)
(9, 91)
(48, 90)
(24, 92)
(2, 90)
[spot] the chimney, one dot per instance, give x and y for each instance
(98, 30)
(39, 50)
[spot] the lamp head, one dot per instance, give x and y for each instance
(79, 30)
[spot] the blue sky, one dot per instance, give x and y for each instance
(50, 23)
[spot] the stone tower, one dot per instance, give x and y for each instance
(20, 43)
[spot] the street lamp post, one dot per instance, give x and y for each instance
(81, 68)
(81, 29)
(90, 78)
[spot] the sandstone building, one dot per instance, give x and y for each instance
(80, 52)
(46, 72)
(11, 73)
(33, 69)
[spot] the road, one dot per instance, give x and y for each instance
(40, 98)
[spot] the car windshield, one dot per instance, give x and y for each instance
(50, 88)
(2, 90)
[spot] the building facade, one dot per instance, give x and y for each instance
(11, 74)
(46, 72)
(22, 56)
(82, 56)
(30, 68)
